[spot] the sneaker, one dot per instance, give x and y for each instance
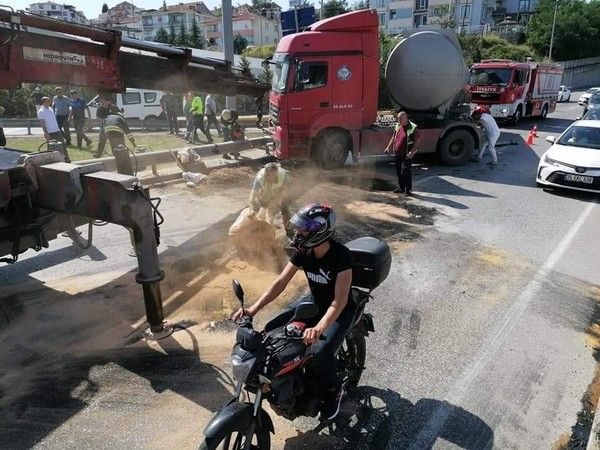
(330, 407)
(408, 193)
(492, 163)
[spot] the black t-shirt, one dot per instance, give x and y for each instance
(322, 273)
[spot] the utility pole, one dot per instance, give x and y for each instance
(552, 34)
(321, 11)
(227, 12)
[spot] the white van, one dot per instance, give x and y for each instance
(140, 104)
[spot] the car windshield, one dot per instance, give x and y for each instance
(487, 76)
(581, 136)
(591, 91)
(595, 98)
(280, 75)
(592, 114)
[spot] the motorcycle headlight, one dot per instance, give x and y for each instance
(552, 162)
(241, 367)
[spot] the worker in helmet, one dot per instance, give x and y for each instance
(269, 192)
(116, 129)
(491, 134)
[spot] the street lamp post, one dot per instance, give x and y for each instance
(552, 33)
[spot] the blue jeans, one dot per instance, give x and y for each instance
(324, 350)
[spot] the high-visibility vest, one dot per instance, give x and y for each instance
(410, 134)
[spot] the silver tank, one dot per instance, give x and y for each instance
(426, 71)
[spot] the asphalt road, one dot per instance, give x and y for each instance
(485, 327)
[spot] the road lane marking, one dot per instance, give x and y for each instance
(430, 432)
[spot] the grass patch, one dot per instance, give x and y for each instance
(155, 141)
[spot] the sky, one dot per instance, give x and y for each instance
(93, 9)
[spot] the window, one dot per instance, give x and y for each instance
(381, 3)
(520, 77)
(421, 4)
(405, 13)
(392, 14)
(149, 97)
(420, 20)
(52, 6)
(311, 75)
(132, 98)
(40, 6)
(524, 5)
(465, 12)
(382, 19)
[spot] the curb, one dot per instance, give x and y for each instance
(594, 439)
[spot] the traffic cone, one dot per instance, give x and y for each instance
(530, 138)
(534, 130)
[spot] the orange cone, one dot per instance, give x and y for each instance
(530, 140)
(534, 130)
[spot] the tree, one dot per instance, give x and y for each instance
(104, 8)
(491, 46)
(334, 8)
(161, 36)
(245, 66)
(239, 44)
(266, 76)
(361, 4)
(576, 34)
(446, 18)
(172, 34)
(196, 40)
(182, 36)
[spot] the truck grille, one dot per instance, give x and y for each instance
(274, 113)
(486, 96)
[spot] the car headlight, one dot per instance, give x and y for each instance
(504, 111)
(551, 161)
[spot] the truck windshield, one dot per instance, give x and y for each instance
(488, 76)
(280, 75)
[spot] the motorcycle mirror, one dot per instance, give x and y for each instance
(305, 310)
(238, 291)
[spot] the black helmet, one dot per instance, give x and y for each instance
(315, 222)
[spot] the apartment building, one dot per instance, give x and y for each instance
(257, 30)
(176, 15)
(68, 13)
(518, 10)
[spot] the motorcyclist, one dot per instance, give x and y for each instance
(327, 265)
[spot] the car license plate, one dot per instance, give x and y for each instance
(579, 178)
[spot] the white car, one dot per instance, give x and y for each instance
(564, 94)
(573, 161)
(583, 99)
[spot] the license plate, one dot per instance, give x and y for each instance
(579, 178)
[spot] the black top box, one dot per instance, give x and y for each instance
(372, 261)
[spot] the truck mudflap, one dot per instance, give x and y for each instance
(366, 324)
(232, 417)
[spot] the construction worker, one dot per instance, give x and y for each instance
(197, 110)
(491, 134)
(105, 109)
(404, 143)
(269, 193)
(116, 129)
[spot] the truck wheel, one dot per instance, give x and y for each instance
(544, 111)
(517, 116)
(332, 149)
(457, 147)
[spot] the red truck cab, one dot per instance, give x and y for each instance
(325, 86)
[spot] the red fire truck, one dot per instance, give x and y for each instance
(513, 90)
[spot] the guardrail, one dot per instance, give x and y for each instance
(134, 123)
(143, 160)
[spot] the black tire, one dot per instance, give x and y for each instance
(151, 123)
(332, 149)
(261, 441)
(518, 115)
(544, 111)
(351, 358)
(457, 147)
(569, 98)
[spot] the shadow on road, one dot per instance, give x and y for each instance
(552, 125)
(376, 419)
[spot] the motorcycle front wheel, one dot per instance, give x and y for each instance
(236, 440)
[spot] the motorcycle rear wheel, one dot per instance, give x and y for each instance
(235, 440)
(351, 358)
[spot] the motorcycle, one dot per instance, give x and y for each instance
(275, 365)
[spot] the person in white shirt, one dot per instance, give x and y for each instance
(50, 126)
(491, 134)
